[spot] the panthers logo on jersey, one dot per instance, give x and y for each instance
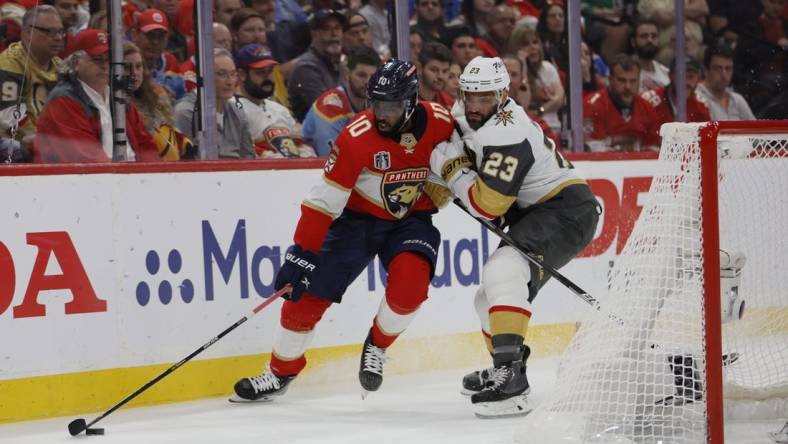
(401, 189)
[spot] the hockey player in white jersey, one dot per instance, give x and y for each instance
(502, 167)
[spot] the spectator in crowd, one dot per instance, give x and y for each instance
(617, 118)
(319, 69)
(224, 10)
(607, 26)
(663, 100)
(529, 10)
(547, 91)
(155, 108)
(761, 68)
(150, 34)
(415, 40)
(234, 140)
(429, 20)
(357, 33)
(246, 27)
(266, 8)
(462, 43)
(290, 36)
(29, 70)
(69, 14)
(653, 74)
(473, 15)
(519, 92)
(453, 83)
(555, 40)
(433, 66)
(377, 15)
(273, 130)
(715, 91)
(663, 13)
(221, 39)
(76, 123)
(99, 21)
(176, 42)
(335, 107)
(592, 82)
(500, 24)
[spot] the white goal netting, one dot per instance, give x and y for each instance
(645, 381)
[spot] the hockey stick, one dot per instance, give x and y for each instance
(77, 426)
(534, 259)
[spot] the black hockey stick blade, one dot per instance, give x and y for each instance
(77, 426)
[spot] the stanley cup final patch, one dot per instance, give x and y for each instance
(382, 160)
(401, 189)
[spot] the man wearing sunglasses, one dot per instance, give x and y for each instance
(373, 200)
(501, 164)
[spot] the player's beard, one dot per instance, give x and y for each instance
(477, 120)
(388, 131)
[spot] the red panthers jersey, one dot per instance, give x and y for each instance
(602, 120)
(368, 173)
(663, 107)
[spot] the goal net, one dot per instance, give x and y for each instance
(702, 289)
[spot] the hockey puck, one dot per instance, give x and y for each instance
(97, 431)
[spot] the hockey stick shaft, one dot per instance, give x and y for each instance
(204, 347)
(534, 259)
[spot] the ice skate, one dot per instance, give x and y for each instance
(261, 388)
(370, 373)
(505, 394)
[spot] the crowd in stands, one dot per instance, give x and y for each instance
(289, 75)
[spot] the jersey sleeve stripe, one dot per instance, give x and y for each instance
(336, 185)
(560, 188)
(317, 208)
(328, 198)
(487, 201)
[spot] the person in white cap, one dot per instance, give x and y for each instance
(499, 163)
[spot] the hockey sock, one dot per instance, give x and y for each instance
(296, 331)
(408, 281)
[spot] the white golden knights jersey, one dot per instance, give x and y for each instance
(383, 177)
(514, 162)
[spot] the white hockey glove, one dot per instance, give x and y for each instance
(450, 161)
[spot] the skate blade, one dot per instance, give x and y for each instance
(515, 406)
(466, 392)
(235, 399)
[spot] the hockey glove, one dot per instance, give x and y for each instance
(297, 271)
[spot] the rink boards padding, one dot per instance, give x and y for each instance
(109, 274)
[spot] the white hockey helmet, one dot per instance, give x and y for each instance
(484, 74)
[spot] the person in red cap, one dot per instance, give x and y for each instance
(76, 123)
(272, 127)
(151, 34)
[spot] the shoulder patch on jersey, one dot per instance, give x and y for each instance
(401, 189)
(504, 117)
(332, 160)
(382, 160)
(408, 140)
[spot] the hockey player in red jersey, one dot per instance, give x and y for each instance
(373, 200)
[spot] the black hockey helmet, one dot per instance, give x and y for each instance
(394, 81)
